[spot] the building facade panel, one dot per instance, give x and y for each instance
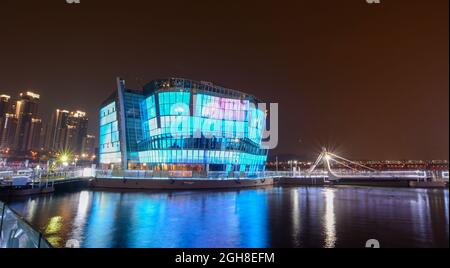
(109, 144)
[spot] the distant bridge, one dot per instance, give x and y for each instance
(343, 169)
(362, 172)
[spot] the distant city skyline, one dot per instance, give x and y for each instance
(23, 130)
(45, 112)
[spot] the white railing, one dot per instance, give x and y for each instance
(383, 174)
(149, 174)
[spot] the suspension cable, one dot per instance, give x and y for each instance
(345, 165)
(319, 158)
(363, 166)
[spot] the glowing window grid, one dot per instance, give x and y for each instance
(212, 116)
(109, 146)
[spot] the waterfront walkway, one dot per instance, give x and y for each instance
(147, 179)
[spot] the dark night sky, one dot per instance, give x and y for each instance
(370, 81)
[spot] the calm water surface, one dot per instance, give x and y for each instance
(268, 217)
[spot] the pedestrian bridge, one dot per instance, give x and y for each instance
(352, 170)
(328, 166)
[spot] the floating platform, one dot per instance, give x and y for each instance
(10, 191)
(179, 184)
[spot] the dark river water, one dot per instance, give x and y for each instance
(267, 217)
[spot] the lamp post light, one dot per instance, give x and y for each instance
(64, 160)
(276, 163)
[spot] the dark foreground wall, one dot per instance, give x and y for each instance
(72, 185)
(304, 181)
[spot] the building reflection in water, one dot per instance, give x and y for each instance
(79, 222)
(296, 218)
(53, 229)
(31, 207)
(329, 219)
(423, 217)
(446, 211)
(100, 222)
(184, 219)
(268, 217)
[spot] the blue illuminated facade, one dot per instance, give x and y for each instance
(181, 125)
(109, 135)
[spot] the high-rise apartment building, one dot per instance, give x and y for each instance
(8, 122)
(67, 131)
(56, 130)
(5, 105)
(5, 114)
(89, 145)
(77, 125)
(28, 124)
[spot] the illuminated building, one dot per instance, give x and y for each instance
(36, 133)
(67, 131)
(184, 125)
(5, 105)
(55, 133)
(8, 130)
(28, 127)
(5, 121)
(89, 144)
(77, 125)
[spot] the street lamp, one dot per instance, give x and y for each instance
(64, 159)
(276, 162)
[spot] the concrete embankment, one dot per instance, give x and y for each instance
(179, 184)
(242, 183)
(285, 181)
(12, 192)
(392, 183)
(73, 184)
(191, 184)
(374, 183)
(428, 184)
(360, 182)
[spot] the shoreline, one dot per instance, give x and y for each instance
(165, 184)
(179, 184)
(193, 184)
